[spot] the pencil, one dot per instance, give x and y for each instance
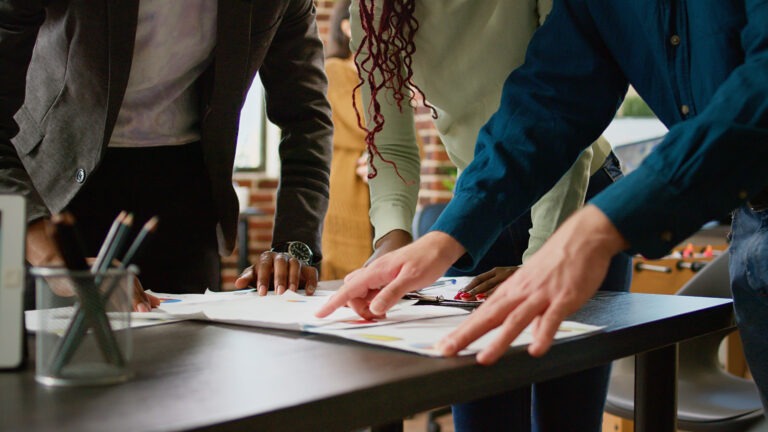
(133, 251)
(116, 246)
(108, 239)
(91, 309)
(148, 229)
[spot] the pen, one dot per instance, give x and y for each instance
(440, 283)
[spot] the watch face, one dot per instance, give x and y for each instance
(300, 251)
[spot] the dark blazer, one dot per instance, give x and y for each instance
(65, 67)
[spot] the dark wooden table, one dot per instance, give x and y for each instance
(198, 376)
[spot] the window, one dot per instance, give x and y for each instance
(258, 138)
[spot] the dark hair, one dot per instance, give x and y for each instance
(338, 42)
(389, 42)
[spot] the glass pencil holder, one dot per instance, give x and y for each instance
(83, 326)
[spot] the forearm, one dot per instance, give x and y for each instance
(393, 199)
(707, 165)
(19, 24)
(550, 111)
(295, 83)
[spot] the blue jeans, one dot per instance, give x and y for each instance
(571, 403)
(749, 283)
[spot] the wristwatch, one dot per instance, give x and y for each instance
(296, 249)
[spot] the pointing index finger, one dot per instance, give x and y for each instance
(339, 299)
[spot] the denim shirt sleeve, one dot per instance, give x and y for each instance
(552, 107)
(707, 165)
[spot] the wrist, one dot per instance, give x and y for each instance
(605, 231)
(590, 232)
(448, 247)
(41, 250)
(394, 239)
(299, 250)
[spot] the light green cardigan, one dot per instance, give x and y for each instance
(465, 49)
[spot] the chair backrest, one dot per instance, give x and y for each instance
(700, 355)
(709, 398)
(713, 280)
(425, 218)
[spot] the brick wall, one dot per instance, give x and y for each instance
(436, 179)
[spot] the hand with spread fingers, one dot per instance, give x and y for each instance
(553, 284)
(280, 270)
(483, 285)
(374, 289)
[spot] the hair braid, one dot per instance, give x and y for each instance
(387, 65)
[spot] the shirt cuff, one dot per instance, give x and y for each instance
(646, 211)
(387, 219)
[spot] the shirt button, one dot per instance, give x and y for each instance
(666, 236)
(80, 175)
(685, 109)
(674, 40)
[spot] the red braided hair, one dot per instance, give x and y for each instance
(390, 49)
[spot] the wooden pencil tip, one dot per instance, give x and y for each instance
(128, 220)
(151, 223)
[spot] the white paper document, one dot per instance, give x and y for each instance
(290, 311)
(407, 326)
(421, 336)
(57, 320)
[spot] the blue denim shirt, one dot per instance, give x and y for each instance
(701, 65)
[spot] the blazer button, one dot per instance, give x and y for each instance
(80, 175)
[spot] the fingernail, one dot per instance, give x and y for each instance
(466, 295)
(480, 296)
(375, 310)
(458, 296)
(280, 289)
(309, 289)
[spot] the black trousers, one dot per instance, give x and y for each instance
(172, 183)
